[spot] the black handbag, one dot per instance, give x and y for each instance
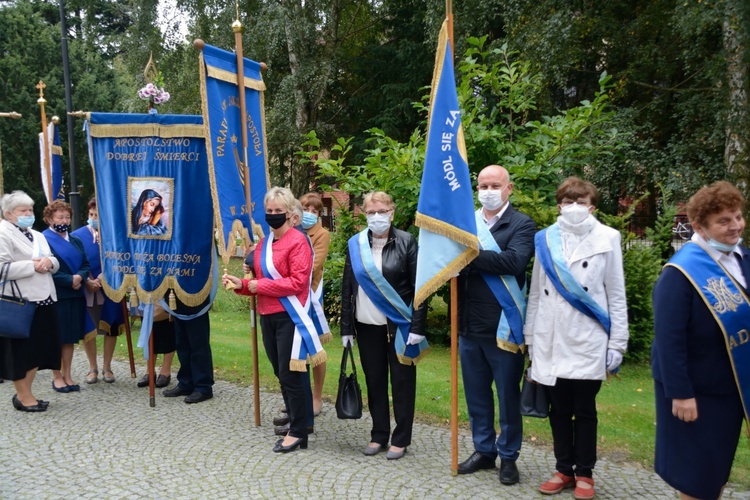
(349, 397)
(534, 398)
(16, 313)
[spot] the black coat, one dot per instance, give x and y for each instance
(478, 310)
(399, 269)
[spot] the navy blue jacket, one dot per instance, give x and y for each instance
(478, 310)
(64, 276)
(689, 355)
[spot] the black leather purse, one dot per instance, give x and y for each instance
(534, 398)
(349, 397)
(16, 313)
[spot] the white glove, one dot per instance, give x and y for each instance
(614, 358)
(414, 339)
(347, 340)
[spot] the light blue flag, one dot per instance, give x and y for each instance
(221, 113)
(445, 213)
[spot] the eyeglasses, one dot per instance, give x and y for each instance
(378, 212)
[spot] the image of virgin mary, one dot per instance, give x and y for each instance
(146, 216)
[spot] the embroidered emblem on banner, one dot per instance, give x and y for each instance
(725, 299)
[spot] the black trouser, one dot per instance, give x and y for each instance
(573, 420)
(377, 355)
(278, 336)
(193, 342)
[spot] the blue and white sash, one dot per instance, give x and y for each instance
(385, 298)
(549, 251)
(729, 305)
(306, 345)
(507, 293)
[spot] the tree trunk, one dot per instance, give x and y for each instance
(736, 148)
(737, 134)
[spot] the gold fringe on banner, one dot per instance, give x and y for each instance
(130, 284)
(56, 150)
(145, 130)
(229, 77)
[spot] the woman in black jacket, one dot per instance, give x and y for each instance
(376, 307)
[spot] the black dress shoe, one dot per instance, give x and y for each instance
(476, 462)
(175, 392)
(284, 430)
(281, 420)
(197, 397)
(35, 408)
(143, 382)
(508, 472)
(299, 443)
(162, 381)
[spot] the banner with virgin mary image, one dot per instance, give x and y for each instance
(155, 206)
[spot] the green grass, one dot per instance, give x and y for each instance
(626, 405)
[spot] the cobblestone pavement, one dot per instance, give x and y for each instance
(107, 442)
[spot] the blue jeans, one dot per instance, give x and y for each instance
(483, 363)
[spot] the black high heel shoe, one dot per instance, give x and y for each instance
(20, 407)
(300, 443)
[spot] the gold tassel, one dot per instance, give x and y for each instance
(325, 338)
(133, 298)
(172, 300)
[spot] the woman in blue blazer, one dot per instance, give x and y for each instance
(699, 408)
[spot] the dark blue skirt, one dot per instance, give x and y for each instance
(71, 312)
(696, 458)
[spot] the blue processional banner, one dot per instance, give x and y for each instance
(155, 207)
(222, 117)
(56, 191)
(445, 211)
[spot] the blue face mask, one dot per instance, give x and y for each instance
(723, 247)
(94, 223)
(25, 221)
(309, 220)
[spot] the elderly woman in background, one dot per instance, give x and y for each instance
(379, 276)
(282, 262)
(701, 351)
(70, 279)
(31, 266)
(320, 238)
(576, 328)
(105, 314)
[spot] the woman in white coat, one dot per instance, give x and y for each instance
(31, 265)
(576, 328)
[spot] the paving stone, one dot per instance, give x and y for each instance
(107, 442)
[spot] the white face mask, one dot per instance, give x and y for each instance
(378, 223)
(491, 199)
(574, 213)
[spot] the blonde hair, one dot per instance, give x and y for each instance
(282, 196)
(378, 196)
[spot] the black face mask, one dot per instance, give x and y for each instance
(61, 228)
(276, 220)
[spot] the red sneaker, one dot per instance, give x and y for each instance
(551, 487)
